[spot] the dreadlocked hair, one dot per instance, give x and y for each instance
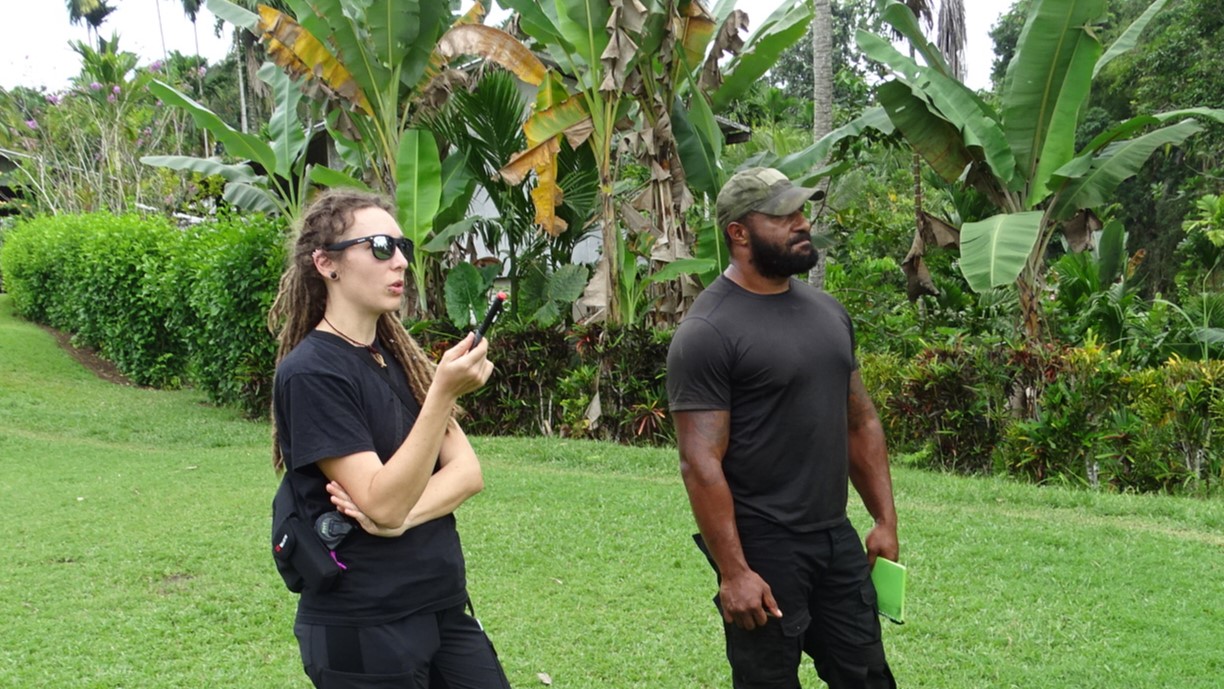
(301, 298)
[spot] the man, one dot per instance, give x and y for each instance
(772, 419)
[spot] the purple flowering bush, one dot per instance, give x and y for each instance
(79, 150)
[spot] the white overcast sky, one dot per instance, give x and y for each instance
(34, 38)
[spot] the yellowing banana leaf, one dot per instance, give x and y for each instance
(547, 124)
(699, 27)
(304, 56)
(475, 15)
(546, 197)
(552, 91)
(515, 171)
(495, 46)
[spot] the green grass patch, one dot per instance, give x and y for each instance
(137, 520)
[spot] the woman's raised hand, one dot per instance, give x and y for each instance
(463, 368)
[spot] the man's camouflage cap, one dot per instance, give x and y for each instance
(764, 190)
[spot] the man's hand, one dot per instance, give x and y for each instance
(747, 601)
(882, 542)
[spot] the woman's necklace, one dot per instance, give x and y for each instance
(369, 347)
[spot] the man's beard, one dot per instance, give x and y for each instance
(773, 261)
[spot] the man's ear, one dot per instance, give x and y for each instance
(737, 233)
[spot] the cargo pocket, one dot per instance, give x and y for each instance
(768, 656)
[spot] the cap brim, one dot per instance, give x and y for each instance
(790, 200)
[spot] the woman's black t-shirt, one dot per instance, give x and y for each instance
(330, 403)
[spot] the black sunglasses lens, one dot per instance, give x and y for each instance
(382, 247)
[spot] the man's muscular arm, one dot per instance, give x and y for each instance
(702, 437)
(869, 470)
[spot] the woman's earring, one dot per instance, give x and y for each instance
(333, 275)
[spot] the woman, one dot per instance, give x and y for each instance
(361, 412)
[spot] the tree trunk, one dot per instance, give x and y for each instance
(611, 251)
(242, 97)
(1030, 307)
(822, 117)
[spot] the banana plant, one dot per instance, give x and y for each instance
(1022, 156)
(370, 66)
(631, 61)
(281, 185)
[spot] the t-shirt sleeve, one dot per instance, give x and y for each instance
(324, 419)
(854, 364)
(698, 368)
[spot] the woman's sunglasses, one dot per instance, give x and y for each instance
(381, 245)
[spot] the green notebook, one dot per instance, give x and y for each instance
(889, 580)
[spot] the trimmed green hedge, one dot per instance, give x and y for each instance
(164, 304)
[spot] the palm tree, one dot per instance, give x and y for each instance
(92, 12)
(822, 101)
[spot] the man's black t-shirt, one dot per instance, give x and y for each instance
(331, 403)
(781, 365)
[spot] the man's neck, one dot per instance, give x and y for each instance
(753, 281)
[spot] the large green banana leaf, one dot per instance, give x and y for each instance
(937, 140)
(327, 177)
(288, 136)
(584, 25)
(955, 102)
(418, 195)
(234, 14)
(1035, 91)
(1117, 162)
(418, 192)
(250, 198)
(695, 144)
(797, 163)
(1129, 38)
(236, 143)
(1060, 138)
(1128, 127)
(781, 30)
(1111, 252)
(994, 250)
(413, 59)
(901, 18)
(536, 21)
(204, 166)
(394, 26)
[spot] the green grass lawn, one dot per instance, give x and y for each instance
(135, 555)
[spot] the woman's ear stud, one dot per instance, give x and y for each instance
(333, 275)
